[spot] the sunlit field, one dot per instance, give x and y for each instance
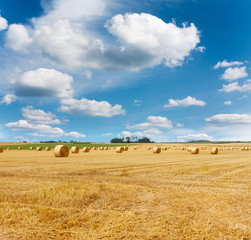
(130, 195)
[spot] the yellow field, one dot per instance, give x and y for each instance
(129, 195)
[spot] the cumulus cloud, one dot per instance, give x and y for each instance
(3, 24)
(39, 116)
(225, 63)
(232, 74)
(91, 108)
(188, 101)
(44, 83)
(231, 87)
(17, 38)
(228, 103)
(131, 134)
(73, 10)
(40, 130)
(75, 135)
(152, 40)
(8, 99)
(194, 137)
(64, 42)
(64, 35)
(229, 119)
(179, 125)
(24, 125)
(152, 122)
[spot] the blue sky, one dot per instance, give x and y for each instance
(92, 70)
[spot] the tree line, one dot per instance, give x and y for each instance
(131, 140)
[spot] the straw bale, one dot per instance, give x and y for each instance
(156, 150)
(195, 151)
(19, 148)
(47, 149)
(39, 149)
(214, 150)
(126, 148)
(61, 151)
(31, 148)
(75, 150)
(1, 150)
(86, 149)
(119, 149)
(189, 149)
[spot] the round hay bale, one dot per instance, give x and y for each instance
(195, 151)
(19, 148)
(214, 150)
(31, 148)
(75, 150)
(189, 149)
(125, 148)
(246, 148)
(61, 151)
(156, 150)
(119, 149)
(1, 150)
(242, 148)
(105, 148)
(39, 149)
(94, 148)
(101, 148)
(47, 149)
(7, 149)
(86, 149)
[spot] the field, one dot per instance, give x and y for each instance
(131, 195)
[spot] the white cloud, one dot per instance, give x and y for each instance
(64, 34)
(3, 24)
(64, 42)
(106, 134)
(152, 40)
(21, 139)
(153, 122)
(41, 130)
(73, 10)
(137, 103)
(87, 74)
(38, 116)
(228, 103)
(179, 125)
(24, 125)
(225, 63)
(232, 74)
(17, 38)
(195, 137)
(231, 87)
(91, 108)
(229, 119)
(131, 134)
(44, 83)
(8, 99)
(189, 101)
(75, 135)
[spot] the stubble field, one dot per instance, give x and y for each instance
(130, 195)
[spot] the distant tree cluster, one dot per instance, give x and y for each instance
(131, 140)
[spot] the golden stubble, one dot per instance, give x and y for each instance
(130, 195)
